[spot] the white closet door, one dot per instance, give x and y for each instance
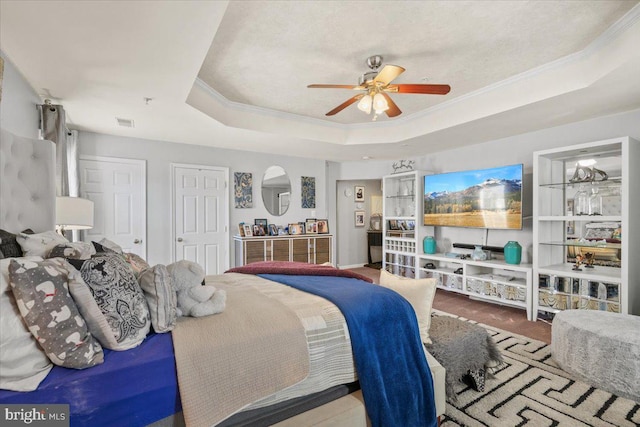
(201, 216)
(117, 188)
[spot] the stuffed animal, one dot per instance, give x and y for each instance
(194, 298)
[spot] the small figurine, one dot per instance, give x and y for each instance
(590, 258)
(579, 261)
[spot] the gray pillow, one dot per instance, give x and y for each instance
(42, 296)
(118, 294)
(23, 364)
(9, 247)
(161, 297)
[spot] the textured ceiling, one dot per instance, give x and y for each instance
(264, 54)
(514, 67)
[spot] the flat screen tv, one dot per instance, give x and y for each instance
(484, 198)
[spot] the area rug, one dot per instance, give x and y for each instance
(530, 390)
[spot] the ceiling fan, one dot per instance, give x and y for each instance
(376, 86)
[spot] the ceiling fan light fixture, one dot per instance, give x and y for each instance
(380, 103)
(365, 104)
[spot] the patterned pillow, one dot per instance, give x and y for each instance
(96, 321)
(72, 250)
(118, 294)
(23, 364)
(161, 297)
(42, 295)
(39, 244)
(9, 247)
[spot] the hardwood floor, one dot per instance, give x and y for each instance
(503, 317)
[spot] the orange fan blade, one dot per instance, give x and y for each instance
(336, 87)
(419, 88)
(387, 74)
(393, 110)
(345, 104)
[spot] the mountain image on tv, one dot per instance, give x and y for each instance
(487, 198)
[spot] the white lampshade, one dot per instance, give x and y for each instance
(74, 213)
(380, 103)
(365, 104)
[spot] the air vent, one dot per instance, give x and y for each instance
(127, 123)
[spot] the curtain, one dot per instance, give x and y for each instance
(53, 127)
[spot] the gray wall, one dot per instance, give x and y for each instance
(18, 113)
(159, 155)
(352, 240)
(512, 150)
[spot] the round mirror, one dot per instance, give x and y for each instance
(276, 190)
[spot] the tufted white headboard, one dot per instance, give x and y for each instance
(27, 183)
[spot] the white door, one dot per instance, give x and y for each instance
(117, 189)
(201, 216)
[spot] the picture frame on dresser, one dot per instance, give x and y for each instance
(248, 230)
(323, 226)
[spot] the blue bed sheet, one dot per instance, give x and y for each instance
(131, 388)
(388, 353)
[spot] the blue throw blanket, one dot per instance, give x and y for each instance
(393, 372)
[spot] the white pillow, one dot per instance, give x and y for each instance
(23, 364)
(419, 293)
(39, 244)
(111, 245)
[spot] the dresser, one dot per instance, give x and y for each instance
(310, 248)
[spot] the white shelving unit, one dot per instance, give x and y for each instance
(492, 281)
(402, 228)
(613, 282)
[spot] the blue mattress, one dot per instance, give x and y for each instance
(131, 388)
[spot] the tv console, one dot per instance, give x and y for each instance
(492, 280)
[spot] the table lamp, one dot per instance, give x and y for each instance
(73, 213)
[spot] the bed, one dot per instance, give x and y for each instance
(149, 384)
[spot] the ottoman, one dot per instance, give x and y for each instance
(599, 348)
(464, 349)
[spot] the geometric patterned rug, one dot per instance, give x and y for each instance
(530, 390)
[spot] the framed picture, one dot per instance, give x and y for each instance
(359, 218)
(273, 230)
(358, 194)
(402, 225)
(393, 224)
(323, 226)
(248, 230)
(261, 221)
(281, 231)
(241, 229)
(303, 228)
(294, 229)
(256, 230)
(312, 227)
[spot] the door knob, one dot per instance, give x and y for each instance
(137, 241)
(179, 239)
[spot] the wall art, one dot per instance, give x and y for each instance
(243, 188)
(308, 192)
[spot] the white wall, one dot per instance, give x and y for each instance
(159, 155)
(18, 113)
(352, 240)
(516, 149)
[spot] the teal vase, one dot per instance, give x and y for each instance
(429, 245)
(512, 252)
